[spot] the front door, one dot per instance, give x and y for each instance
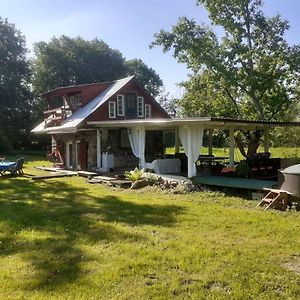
(131, 105)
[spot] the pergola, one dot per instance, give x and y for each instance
(191, 132)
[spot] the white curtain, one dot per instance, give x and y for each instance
(191, 138)
(137, 143)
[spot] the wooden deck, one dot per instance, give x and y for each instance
(241, 183)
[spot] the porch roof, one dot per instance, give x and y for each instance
(207, 122)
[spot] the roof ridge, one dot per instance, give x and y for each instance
(86, 84)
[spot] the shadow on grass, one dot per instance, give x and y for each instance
(45, 222)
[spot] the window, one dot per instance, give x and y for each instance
(147, 111)
(120, 105)
(140, 106)
(112, 109)
(75, 101)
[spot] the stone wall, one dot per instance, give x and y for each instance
(110, 142)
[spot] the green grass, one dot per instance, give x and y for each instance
(66, 239)
(281, 152)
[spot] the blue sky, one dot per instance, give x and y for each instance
(126, 25)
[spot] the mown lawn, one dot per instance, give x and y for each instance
(66, 239)
(282, 152)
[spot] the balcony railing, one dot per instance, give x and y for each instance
(55, 116)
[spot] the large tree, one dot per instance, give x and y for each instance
(68, 61)
(15, 96)
(247, 70)
(145, 75)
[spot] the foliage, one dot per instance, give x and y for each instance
(249, 72)
(242, 169)
(15, 97)
(68, 61)
(5, 144)
(135, 174)
(66, 239)
(145, 75)
(289, 137)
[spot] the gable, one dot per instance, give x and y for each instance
(102, 113)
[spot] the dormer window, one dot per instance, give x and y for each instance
(75, 101)
(140, 107)
(147, 111)
(112, 109)
(120, 105)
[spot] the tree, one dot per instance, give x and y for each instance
(68, 61)
(15, 95)
(145, 75)
(250, 72)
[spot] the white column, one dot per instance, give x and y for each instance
(266, 140)
(177, 140)
(231, 147)
(210, 141)
(189, 154)
(98, 149)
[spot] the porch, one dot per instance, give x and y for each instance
(124, 144)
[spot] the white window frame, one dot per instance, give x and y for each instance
(112, 109)
(120, 103)
(140, 104)
(147, 111)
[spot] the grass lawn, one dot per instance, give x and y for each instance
(281, 152)
(66, 239)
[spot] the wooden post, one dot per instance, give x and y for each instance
(266, 140)
(98, 149)
(210, 141)
(177, 140)
(231, 147)
(189, 153)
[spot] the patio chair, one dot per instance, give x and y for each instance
(18, 168)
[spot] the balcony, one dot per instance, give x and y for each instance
(55, 116)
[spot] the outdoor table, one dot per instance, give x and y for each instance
(212, 158)
(6, 166)
(205, 163)
(167, 166)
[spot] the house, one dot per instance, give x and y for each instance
(81, 147)
(119, 125)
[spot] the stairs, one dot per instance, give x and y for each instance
(277, 199)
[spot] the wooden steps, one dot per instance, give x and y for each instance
(277, 199)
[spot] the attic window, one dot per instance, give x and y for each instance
(112, 109)
(140, 107)
(120, 105)
(147, 111)
(75, 101)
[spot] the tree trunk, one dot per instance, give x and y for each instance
(252, 142)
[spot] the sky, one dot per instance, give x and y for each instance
(125, 25)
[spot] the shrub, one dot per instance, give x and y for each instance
(134, 175)
(242, 169)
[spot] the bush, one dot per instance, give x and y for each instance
(242, 169)
(5, 144)
(134, 175)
